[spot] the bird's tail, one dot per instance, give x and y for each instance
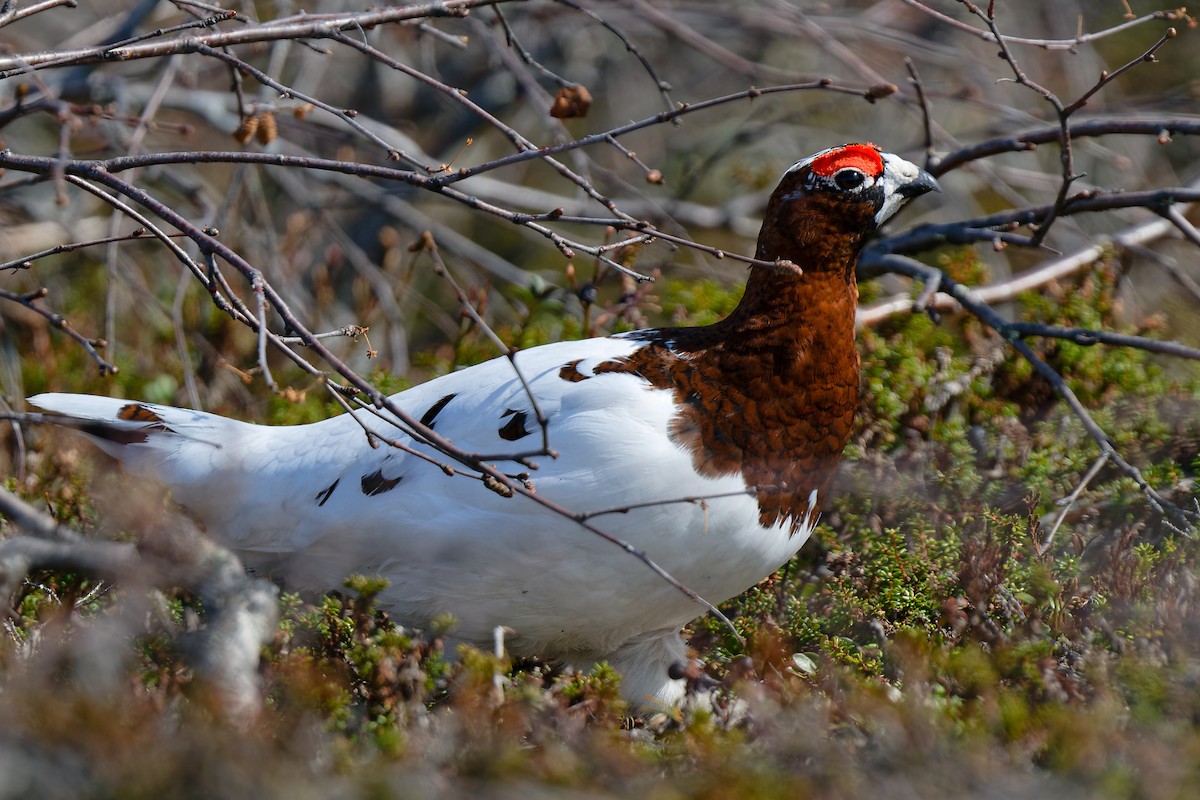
(170, 445)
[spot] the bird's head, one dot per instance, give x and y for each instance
(827, 204)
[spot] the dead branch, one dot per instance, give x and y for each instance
(1006, 291)
(304, 26)
(1046, 44)
(241, 611)
(31, 300)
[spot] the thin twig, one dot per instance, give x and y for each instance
(1164, 128)
(351, 331)
(566, 246)
(928, 237)
(749, 491)
(308, 26)
(348, 116)
(663, 87)
(1005, 291)
(25, 262)
(29, 300)
(926, 114)
(429, 245)
(520, 142)
(1066, 152)
(526, 57)
(1108, 77)
(682, 109)
(16, 13)
(260, 303)
(1045, 44)
(1181, 222)
(1069, 501)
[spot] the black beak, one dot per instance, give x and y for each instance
(924, 182)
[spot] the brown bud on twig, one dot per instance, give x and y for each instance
(497, 487)
(571, 102)
(245, 131)
(423, 242)
(267, 128)
(879, 91)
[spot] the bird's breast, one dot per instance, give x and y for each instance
(780, 420)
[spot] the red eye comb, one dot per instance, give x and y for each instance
(864, 157)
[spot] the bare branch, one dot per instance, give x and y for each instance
(1006, 291)
(926, 115)
(1068, 501)
(1045, 44)
(305, 26)
(30, 301)
(25, 262)
(15, 13)
(25, 516)
(1108, 77)
(347, 116)
(242, 611)
(1163, 128)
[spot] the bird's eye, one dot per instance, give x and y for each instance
(849, 178)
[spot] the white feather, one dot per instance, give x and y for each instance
(449, 545)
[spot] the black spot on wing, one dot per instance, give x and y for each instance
(375, 483)
(326, 493)
(515, 428)
(429, 416)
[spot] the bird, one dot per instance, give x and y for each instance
(749, 414)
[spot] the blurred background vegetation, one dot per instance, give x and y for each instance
(953, 628)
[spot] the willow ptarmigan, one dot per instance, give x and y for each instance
(752, 411)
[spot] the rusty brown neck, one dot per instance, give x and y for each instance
(770, 391)
(780, 307)
(814, 309)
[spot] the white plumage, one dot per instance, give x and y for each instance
(312, 504)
